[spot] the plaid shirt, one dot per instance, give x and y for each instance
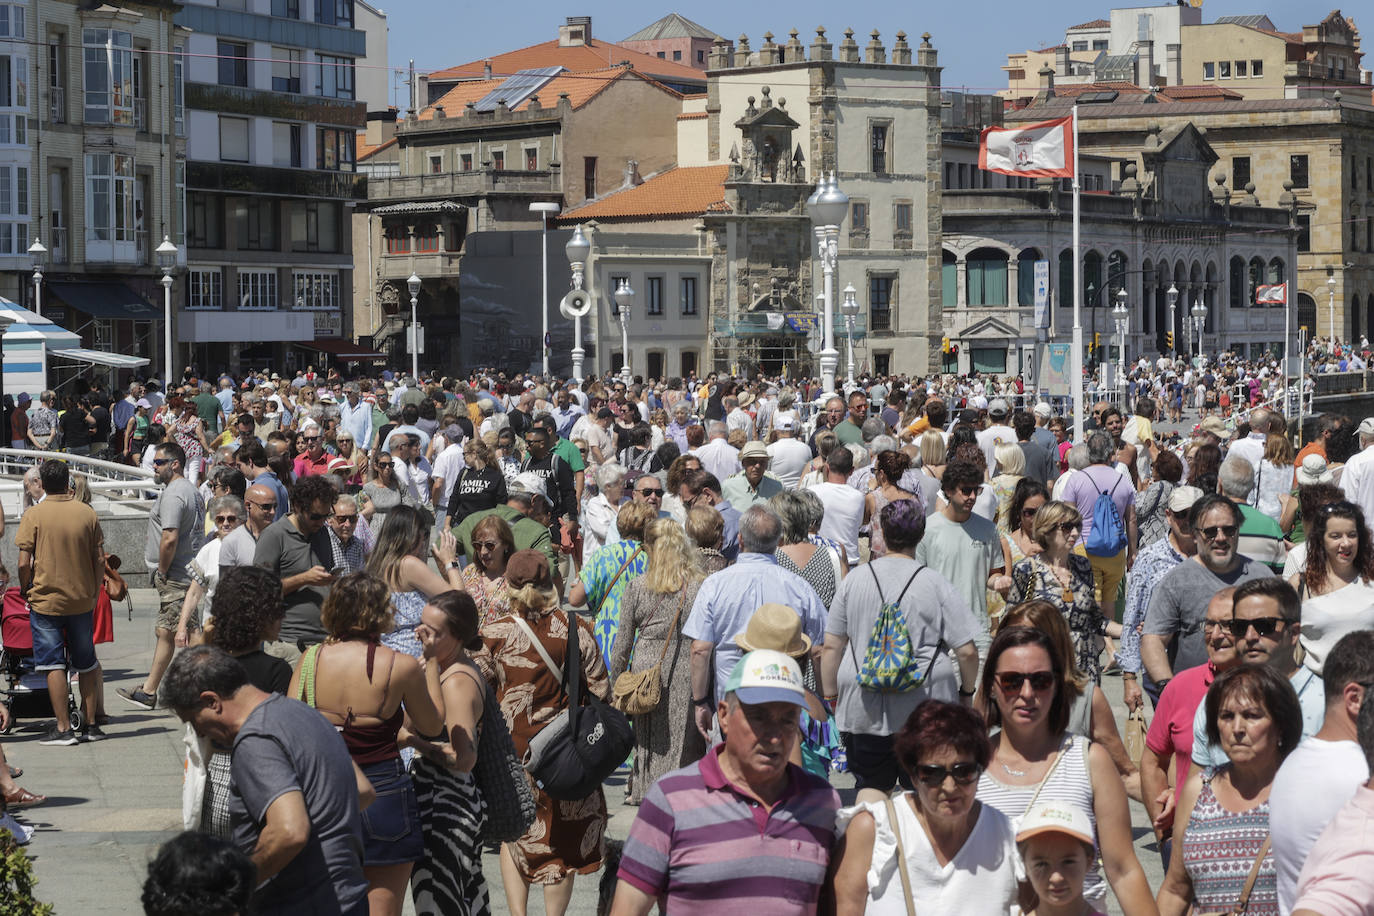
(349, 557)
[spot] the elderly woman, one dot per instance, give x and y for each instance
(1253, 714)
(705, 528)
(566, 838)
(1166, 470)
(382, 489)
(960, 854)
(493, 544)
(820, 565)
(1064, 579)
(652, 615)
(609, 571)
(228, 513)
(350, 462)
(598, 516)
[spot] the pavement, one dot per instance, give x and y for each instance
(112, 803)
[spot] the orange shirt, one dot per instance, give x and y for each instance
(1315, 447)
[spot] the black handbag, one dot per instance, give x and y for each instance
(580, 747)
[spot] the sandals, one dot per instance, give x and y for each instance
(23, 798)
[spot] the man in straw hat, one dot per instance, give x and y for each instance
(779, 628)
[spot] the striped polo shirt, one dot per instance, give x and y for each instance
(698, 842)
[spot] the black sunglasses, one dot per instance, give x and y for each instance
(933, 776)
(651, 491)
(159, 462)
(319, 516)
(1011, 681)
(1264, 626)
(1211, 531)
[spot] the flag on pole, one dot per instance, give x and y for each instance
(1272, 295)
(1043, 150)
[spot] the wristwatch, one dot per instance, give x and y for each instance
(966, 693)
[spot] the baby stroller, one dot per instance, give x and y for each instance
(22, 685)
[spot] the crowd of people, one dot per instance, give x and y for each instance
(369, 590)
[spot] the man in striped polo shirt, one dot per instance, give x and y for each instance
(741, 826)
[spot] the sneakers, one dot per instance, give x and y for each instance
(93, 733)
(56, 736)
(138, 697)
(22, 833)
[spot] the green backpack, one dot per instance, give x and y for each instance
(889, 664)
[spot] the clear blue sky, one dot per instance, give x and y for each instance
(972, 37)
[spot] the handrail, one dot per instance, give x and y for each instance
(25, 455)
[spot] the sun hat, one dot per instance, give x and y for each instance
(753, 449)
(762, 676)
(776, 627)
(1055, 817)
(1182, 499)
(1217, 427)
(1314, 470)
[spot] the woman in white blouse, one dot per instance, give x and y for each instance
(598, 515)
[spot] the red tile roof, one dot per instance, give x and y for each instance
(363, 150)
(580, 87)
(680, 192)
(692, 116)
(1093, 24)
(580, 58)
(1163, 93)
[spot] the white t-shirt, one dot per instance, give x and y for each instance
(788, 459)
(448, 466)
(844, 513)
(1338, 768)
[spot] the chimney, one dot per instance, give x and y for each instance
(1145, 64)
(1046, 84)
(1062, 65)
(486, 69)
(575, 32)
(381, 126)
(1173, 67)
(423, 90)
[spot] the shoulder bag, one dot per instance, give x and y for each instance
(573, 754)
(637, 693)
(901, 857)
(618, 573)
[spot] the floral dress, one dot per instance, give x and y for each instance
(1032, 578)
(490, 594)
(605, 586)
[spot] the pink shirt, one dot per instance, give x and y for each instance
(1338, 879)
(1172, 728)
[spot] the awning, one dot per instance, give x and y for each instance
(105, 300)
(343, 349)
(421, 206)
(101, 357)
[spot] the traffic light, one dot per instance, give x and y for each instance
(1169, 340)
(944, 344)
(1097, 340)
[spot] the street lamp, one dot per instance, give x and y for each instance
(1199, 320)
(850, 308)
(1122, 316)
(38, 253)
(1331, 301)
(413, 284)
(624, 296)
(1172, 296)
(828, 206)
(577, 250)
(166, 259)
(545, 209)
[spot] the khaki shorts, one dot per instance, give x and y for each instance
(171, 595)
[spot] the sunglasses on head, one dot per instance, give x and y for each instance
(1264, 626)
(1011, 681)
(933, 776)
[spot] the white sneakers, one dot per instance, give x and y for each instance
(22, 833)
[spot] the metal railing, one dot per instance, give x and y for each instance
(57, 105)
(108, 478)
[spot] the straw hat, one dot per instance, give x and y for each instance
(777, 627)
(1314, 470)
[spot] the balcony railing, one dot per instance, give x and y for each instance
(756, 324)
(449, 184)
(57, 241)
(141, 115)
(57, 105)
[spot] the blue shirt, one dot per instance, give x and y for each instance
(729, 535)
(358, 421)
(1150, 566)
(1311, 697)
(727, 599)
(270, 479)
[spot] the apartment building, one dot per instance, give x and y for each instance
(675, 38)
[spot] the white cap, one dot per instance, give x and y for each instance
(530, 482)
(1055, 817)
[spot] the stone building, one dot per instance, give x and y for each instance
(675, 38)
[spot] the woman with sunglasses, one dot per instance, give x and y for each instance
(1034, 757)
(1026, 500)
(480, 485)
(1337, 590)
(350, 463)
(1064, 579)
(383, 490)
(493, 543)
(228, 513)
(960, 853)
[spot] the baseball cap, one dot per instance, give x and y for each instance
(531, 483)
(1182, 499)
(766, 676)
(141, 402)
(1043, 410)
(754, 449)
(1055, 817)
(998, 408)
(1366, 427)
(1217, 427)
(784, 421)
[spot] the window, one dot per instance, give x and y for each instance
(880, 303)
(108, 71)
(233, 139)
(1224, 69)
(110, 229)
(677, 55)
(436, 164)
(531, 159)
(1241, 68)
(286, 70)
(1080, 45)
(654, 295)
(882, 363)
(13, 94)
(987, 277)
(286, 145)
(316, 290)
(1209, 70)
(662, 55)
(465, 162)
(427, 238)
(901, 218)
(1240, 172)
(689, 357)
(334, 12)
(205, 289)
(878, 147)
(286, 9)
(1100, 44)
(11, 21)
(588, 176)
(397, 240)
(14, 209)
(257, 290)
(498, 160)
(858, 217)
(701, 57)
(1305, 233)
(687, 294)
(315, 225)
(233, 63)
(57, 80)
(992, 360)
(255, 223)
(180, 179)
(949, 280)
(334, 77)
(179, 91)
(206, 226)
(334, 149)
(1297, 170)
(1256, 68)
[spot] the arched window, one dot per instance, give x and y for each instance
(949, 280)
(1307, 314)
(987, 277)
(1277, 273)
(1147, 297)
(1092, 279)
(1025, 276)
(1237, 283)
(1257, 275)
(1065, 285)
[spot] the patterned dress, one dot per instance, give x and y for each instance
(566, 836)
(1032, 578)
(819, 572)
(666, 738)
(605, 589)
(1219, 849)
(409, 605)
(490, 595)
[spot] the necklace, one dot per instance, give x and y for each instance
(1010, 772)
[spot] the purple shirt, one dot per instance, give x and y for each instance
(1083, 488)
(699, 843)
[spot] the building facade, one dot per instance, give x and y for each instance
(675, 38)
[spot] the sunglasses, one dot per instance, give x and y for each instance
(159, 462)
(650, 491)
(1212, 532)
(225, 519)
(485, 545)
(346, 519)
(310, 438)
(266, 507)
(933, 776)
(1068, 527)
(383, 464)
(1011, 681)
(1264, 626)
(319, 516)
(968, 491)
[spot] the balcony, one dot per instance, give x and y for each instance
(282, 106)
(463, 184)
(57, 105)
(755, 324)
(57, 244)
(141, 115)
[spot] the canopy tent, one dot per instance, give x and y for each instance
(31, 339)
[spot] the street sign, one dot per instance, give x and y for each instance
(1042, 294)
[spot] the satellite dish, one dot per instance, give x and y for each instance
(575, 304)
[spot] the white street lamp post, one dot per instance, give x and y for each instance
(577, 250)
(166, 259)
(1331, 302)
(1172, 296)
(38, 253)
(1200, 320)
(828, 206)
(1122, 317)
(850, 308)
(624, 296)
(413, 284)
(545, 210)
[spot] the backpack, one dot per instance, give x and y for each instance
(1108, 536)
(889, 664)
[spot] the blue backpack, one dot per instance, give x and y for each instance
(1108, 536)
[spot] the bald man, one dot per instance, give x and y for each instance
(238, 547)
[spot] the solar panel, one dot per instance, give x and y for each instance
(517, 87)
(1254, 20)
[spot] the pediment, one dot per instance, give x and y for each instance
(989, 327)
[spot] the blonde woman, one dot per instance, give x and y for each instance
(653, 612)
(933, 452)
(1274, 476)
(1011, 467)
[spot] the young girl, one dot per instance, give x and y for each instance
(1056, 843)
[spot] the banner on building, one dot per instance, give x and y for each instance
(1042, 294)
(803, 322)
(1055, 371)
(1272, 295)
(1043, 150)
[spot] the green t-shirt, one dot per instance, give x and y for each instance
(208, 408)
(965, 554)
(848, 433)
(528, 533)
(564, 449)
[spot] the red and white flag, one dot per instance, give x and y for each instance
(1043, 150)
(1272, 295)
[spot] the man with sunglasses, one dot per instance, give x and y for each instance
(753, 484)
(348, 553)
(238, 546)
(1172, 639)
(313, 459)
(291, 548)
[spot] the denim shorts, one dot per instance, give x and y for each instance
(391, 824)
(55, 635)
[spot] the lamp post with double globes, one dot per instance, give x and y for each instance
(38, 253)
(1199, 320)
(577, 250)
(624, 297)
(1122, 317)
(413, 284)
(167, 260)
(828, 206)
(850, 308)
(1331, 305)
